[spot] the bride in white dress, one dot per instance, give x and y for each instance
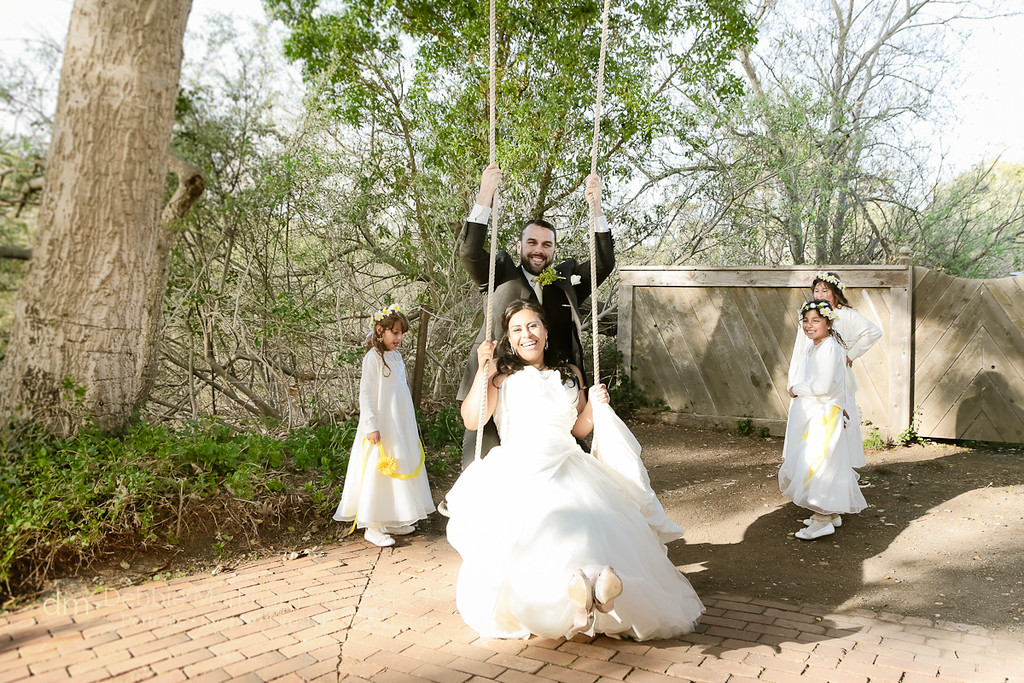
(555, 541)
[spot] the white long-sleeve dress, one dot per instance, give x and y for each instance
(816, 471)
(859, 334)
(385, 406)
(538, 507)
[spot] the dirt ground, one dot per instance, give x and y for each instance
(941, 539)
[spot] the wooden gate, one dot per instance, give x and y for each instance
(969, 357)
(714, 344)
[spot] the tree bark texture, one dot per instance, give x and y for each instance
(84, 323)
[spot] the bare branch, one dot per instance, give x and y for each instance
(190, 186)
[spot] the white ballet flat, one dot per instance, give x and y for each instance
(815, 530)
(378, 537)
(837, 521)
(606, 589)
(400, 530)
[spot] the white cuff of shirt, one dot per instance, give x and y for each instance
(481, 214)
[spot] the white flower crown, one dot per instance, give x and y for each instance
(825, 276)
(823, 308)
(385, 312)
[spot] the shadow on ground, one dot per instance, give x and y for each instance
(941, 539)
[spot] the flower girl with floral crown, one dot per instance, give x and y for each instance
(386, 490)
(816, 471)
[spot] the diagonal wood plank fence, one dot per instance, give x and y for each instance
(715, 343)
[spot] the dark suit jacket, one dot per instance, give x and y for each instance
(562, 299)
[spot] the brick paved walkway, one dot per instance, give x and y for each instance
(356, 612)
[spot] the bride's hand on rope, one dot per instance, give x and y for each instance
(585, 419)
(490, 179)
(485, 356)
(593, 194)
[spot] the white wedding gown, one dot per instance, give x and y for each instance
(538, 507)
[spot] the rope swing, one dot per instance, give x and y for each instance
(593, 170)
(495, 207)
(488, 313)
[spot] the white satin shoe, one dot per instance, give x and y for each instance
(837, 521)
(607, 587)
(817, 529)
(378, 537)
(581, 596)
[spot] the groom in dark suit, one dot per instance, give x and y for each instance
(560, 299)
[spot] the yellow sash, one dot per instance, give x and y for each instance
(829, 423)
(386, 465)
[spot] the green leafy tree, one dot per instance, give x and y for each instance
(310, 225)
(971, 226)
(275, 273)
(411, 80)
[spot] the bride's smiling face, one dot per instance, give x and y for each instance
(527, 336)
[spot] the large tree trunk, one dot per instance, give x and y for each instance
(84, 323)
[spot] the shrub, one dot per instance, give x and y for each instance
(441, 432)
(63, 501)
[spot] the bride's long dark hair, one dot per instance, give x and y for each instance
(509, 363)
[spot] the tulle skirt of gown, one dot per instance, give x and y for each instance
(538, 508)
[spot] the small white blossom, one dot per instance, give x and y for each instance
(825, 276)
(575, 280)
(385, 312)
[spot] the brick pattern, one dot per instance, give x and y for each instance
(360, 613)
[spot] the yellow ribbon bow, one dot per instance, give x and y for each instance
(387, 465)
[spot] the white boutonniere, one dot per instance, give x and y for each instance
(575, 280)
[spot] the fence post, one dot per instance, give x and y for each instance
(624, 326)
(421, 357)
(901, 357)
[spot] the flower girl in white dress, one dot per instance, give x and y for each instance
(386, 490)
(859, 334)
(817, 472)
(555, 541)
